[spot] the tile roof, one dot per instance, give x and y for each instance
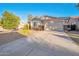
(75, 17)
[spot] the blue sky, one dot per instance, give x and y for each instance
(39, 9)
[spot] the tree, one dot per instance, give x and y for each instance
(0, 22)
(30, 17)
(9, 20)
(26, 27)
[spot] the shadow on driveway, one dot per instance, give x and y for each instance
(62, 36)
(8, 37)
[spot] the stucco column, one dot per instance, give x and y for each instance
(45, 26)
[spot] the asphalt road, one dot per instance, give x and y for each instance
(6, 37)
(41, 43)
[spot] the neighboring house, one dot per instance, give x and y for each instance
(72, 23)
(54, 24)
(46, 23)
(75, 21)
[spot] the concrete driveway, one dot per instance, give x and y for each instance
(41, 43)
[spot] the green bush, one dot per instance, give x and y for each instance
(26, 27)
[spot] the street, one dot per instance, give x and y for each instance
(41, 43)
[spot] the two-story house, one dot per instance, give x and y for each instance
(46, 23)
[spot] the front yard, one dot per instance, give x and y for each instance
(24, 32)
(74, 35)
